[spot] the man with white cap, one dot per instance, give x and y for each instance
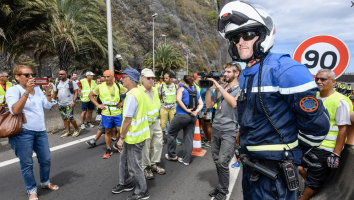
(86, 86)
(153, 144)
(118, 67)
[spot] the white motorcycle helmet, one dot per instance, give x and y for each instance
(238, 17)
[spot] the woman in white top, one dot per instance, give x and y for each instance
(30, 100)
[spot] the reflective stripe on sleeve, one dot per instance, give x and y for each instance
(290, 90)
(314, 144)
(2, 97)
(312, 136)
(85, 91)
(273, 147)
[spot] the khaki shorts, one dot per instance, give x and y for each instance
(164, 114)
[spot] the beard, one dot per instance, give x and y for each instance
(229, 79)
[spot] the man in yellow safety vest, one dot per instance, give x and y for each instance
(328, 153)
(5, 84)
(153, 145)
(86, 87)
(135, 130)
(111, 105)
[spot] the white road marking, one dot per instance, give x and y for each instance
(233, 176)
(15, 160)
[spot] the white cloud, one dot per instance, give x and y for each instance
(298, 20)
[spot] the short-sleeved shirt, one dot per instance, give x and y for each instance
(343, 112)
(185, 100)
(65, 97)
(130, 107)
(168, 106)
(225, 119)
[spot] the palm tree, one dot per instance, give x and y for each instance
(77, 31)
(167, 58)
(19, 20)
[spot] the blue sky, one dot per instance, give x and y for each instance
(298, 20)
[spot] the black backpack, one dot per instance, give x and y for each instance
(193, 101)
(71, 86)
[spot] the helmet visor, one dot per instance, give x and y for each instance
(234, 17)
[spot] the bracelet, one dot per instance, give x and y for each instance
(121, 137)
(48, 95)
(26, 94)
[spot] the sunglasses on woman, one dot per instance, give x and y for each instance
(27, 75)
(246, 36)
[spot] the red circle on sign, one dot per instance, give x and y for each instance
(337, 43)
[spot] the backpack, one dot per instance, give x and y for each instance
(193, 101)
(71, 86)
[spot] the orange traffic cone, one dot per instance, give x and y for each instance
(197, 143)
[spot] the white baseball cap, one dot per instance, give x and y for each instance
(119, 56)
(89, 74)
(147, 73)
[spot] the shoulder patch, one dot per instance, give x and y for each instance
(309, 104)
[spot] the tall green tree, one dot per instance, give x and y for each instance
(167, 58)
(19, 20)
(78, 31)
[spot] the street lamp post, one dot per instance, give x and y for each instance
(163, 35)
(153, 42)
(109, 34)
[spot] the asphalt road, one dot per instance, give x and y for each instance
(81, 173)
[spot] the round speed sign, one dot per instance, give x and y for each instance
(323, 52)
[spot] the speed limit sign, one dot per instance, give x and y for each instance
(323, 52)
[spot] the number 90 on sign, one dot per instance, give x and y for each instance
(323, 52)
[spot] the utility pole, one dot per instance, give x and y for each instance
(109, 33)
(187, 59)
(153, 42)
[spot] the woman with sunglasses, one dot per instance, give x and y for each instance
(30, 100)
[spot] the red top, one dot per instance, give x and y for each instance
(80, 85)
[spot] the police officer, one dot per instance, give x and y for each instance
(277, 106)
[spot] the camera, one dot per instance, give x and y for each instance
(206, 83)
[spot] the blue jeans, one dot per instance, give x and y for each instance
(23, 145)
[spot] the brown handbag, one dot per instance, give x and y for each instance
(10, 125)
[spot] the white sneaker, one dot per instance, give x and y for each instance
(98, 118)
(90, 125)
(83, 126)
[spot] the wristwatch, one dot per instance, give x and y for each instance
(121, 137)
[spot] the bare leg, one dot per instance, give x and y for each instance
(98, 135)
(207, 130)
(67, 125)
(107, 137)
(163, 135)
(83, 114)
(73, 122)
(89, 115)
(118, 132)
(308, 193)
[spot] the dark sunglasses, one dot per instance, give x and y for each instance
(5, 76)
(322, 79)
(247, 36)
(27, 75)
(106, 76)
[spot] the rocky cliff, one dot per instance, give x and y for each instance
(188, 24)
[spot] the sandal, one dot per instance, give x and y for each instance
(33, 196)
(51, 187)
